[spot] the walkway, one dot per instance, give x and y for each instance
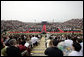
(39, 50)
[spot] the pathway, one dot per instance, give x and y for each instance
(39, 50)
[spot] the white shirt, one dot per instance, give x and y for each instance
(81, 46)
(81, 51)
(48, 41)
(34, 39)
(74, 53)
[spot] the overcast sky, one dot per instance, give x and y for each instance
(29, 11)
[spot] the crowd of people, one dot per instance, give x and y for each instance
(64, 45)
(12, 26)
(37, 27)
(50, 28)
(18, 45)
(20, 26)
(56, 44)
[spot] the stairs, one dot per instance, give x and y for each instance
(39, 50)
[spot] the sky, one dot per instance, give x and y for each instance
(37, 11)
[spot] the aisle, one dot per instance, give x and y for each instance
(39, 50)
